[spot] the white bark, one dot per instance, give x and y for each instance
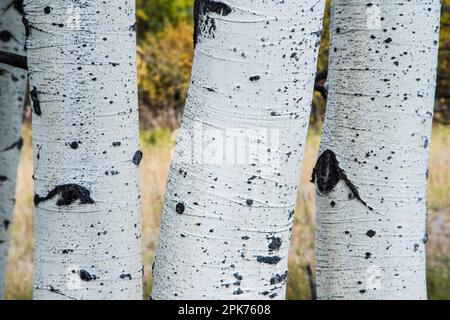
(228, 209)
(81, 56)
(381, 81)
(12, 92)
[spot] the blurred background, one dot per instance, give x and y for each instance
(165, 53)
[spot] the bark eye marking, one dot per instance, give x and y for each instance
(327, 173)
(35, 100)
(69, 193)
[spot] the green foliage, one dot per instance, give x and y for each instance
(154, 15)
(443, 88)
(164, 68)
(438, 278)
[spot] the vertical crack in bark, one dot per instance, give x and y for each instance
(327, 173)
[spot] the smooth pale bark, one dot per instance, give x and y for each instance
(229, 205)
(378, 123)
(12, 92)
(81, 59)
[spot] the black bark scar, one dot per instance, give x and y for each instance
(35, 100)
(26, 23)
(327, 174)
(17, 144)
(69, 193)
(18, 5)
(202, 8)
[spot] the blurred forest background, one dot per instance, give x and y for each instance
(165, 54)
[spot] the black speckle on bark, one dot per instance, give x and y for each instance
(180, 208)
(268, 260)
(69, 193)
(254, 78)
(125, 276)
(275, 243)
(3, 178)
(6, 224)
(370, 233)
(5, 36)
(279, 278)
(86, 276)
(137, 158)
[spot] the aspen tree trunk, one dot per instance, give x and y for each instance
(372, 173)
(12, 92)
(81, 57)
(229, 204)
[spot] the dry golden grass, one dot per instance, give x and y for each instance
(157, 147)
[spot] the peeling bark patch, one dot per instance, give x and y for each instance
(69, 193)
(137, 158)
(208, 25)
(327, 173)
(35, 101)
(268, 260)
